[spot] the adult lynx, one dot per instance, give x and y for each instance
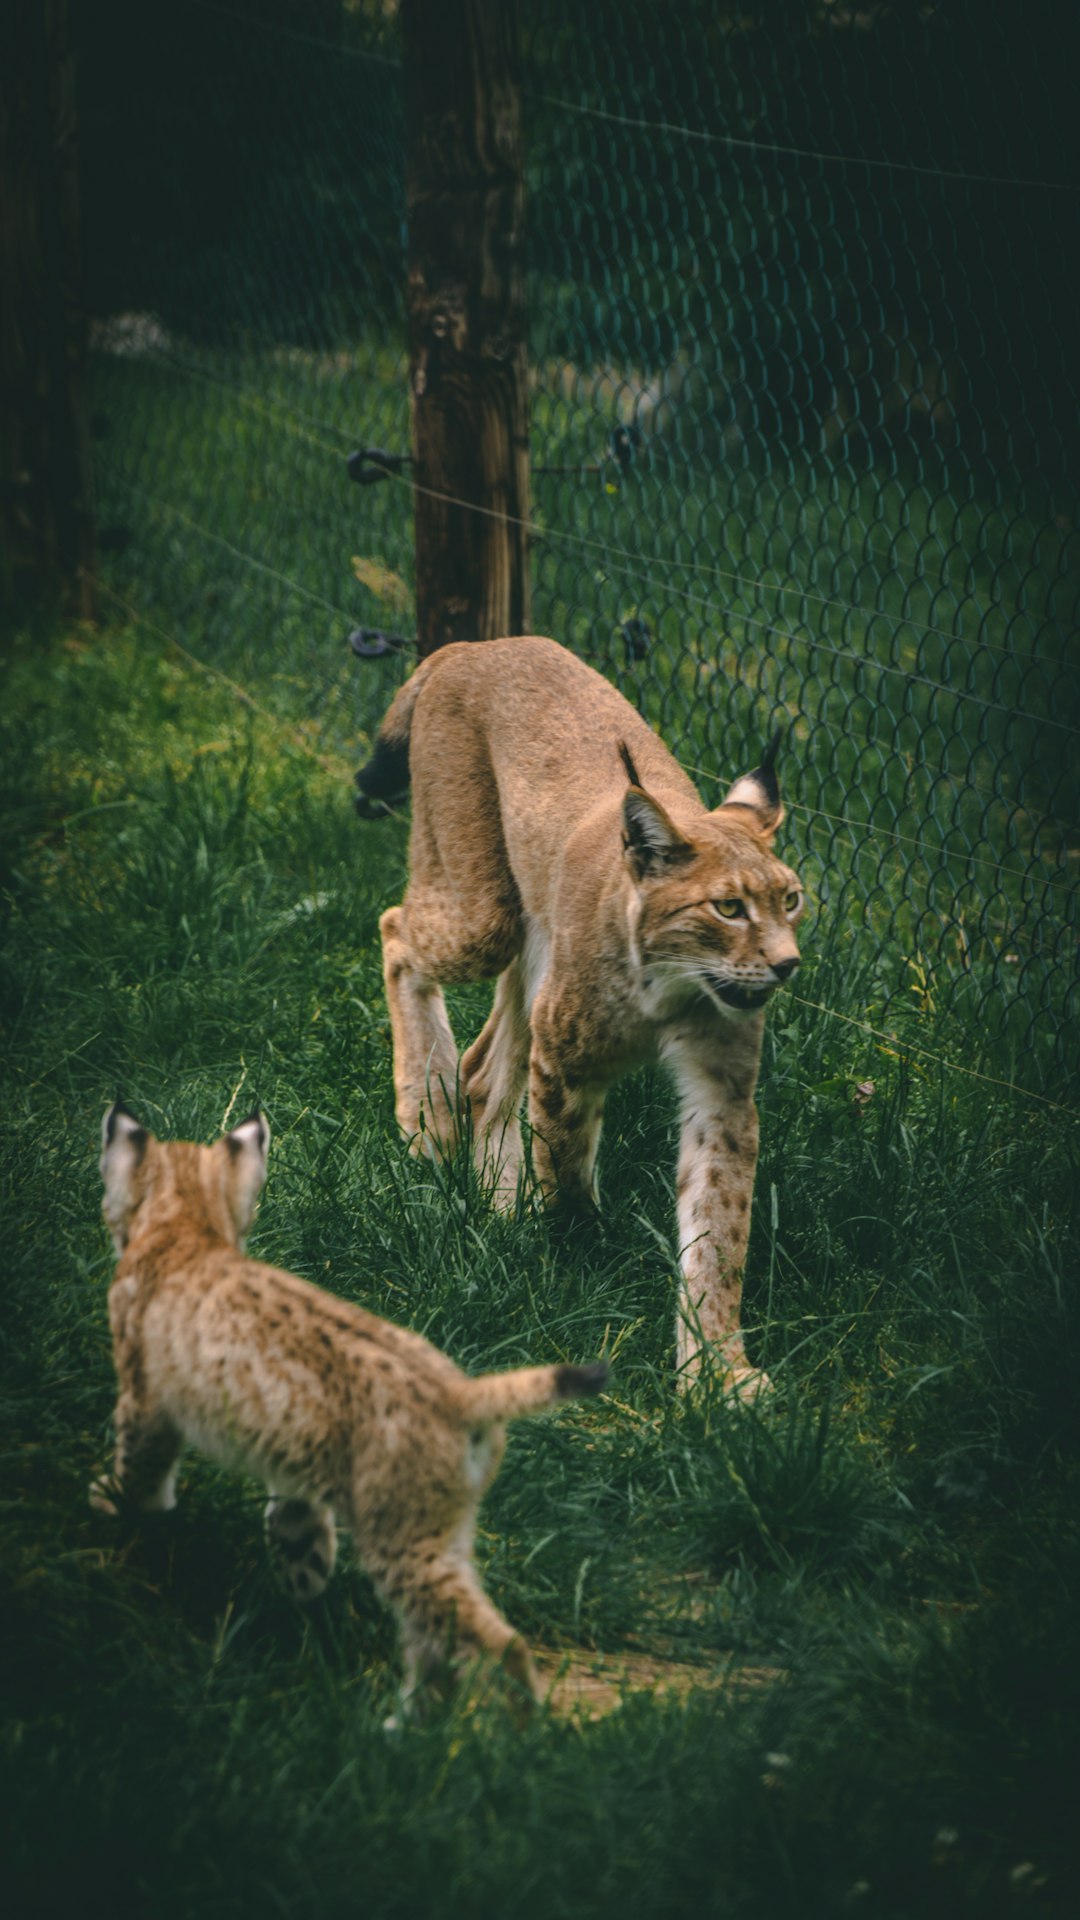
(557, 844)
(338, 1412)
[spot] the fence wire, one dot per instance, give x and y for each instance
(804, 417)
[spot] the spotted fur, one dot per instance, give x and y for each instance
(557, 845)
(341, 1414)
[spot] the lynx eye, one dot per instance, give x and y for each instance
(730, 909)
(791, 900)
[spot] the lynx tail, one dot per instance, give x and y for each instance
(384, 783)
(506, 1396)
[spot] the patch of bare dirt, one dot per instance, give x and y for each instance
(589, 1685)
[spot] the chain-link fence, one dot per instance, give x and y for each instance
(804, 416)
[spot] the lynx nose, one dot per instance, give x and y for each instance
(783, 969)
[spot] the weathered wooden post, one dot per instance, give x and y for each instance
(46, 519)
(465, 189)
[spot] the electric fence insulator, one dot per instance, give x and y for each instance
(371, 643)
(368, 465)
(637, 636)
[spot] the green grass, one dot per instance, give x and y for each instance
(191, 917)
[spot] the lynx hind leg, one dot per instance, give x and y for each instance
(302, 1543)
(148, 1448)
(425, 1054)
(430, 938)
(494, 1071)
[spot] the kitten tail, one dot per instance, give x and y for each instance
(506, 1396)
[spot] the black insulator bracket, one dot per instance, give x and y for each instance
(368, 465)
(371, 643)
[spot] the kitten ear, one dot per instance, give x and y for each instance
(252, 1132)
(123, 1144)
(247, 1146)
(123, 1139)
(652, 842)
(759, 791)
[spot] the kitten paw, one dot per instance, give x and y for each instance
(104, 1495)
(302, 1543)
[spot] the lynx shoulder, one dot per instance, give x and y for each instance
(559, 847)
(342, 1415)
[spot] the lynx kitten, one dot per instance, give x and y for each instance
(340, 1413)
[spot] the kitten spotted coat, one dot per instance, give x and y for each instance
(341, 1414)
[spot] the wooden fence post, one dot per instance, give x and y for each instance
(469, 400)
(46, 517)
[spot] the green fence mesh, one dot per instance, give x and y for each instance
(804, 416)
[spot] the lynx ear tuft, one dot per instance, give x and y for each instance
(651, 840)
(627, 759)
(759, 792)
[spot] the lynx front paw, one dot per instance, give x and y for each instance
(302, 1543)
(746, 1382)
(729, 1373)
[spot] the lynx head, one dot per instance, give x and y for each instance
(147, 1180)
(715, 911)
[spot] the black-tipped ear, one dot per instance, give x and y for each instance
(246, 1147)
(759, 791)
(123, 1148)
(252, 1132)
(119, 1119)
(651, 840)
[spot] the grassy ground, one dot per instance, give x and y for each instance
(191, 918)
